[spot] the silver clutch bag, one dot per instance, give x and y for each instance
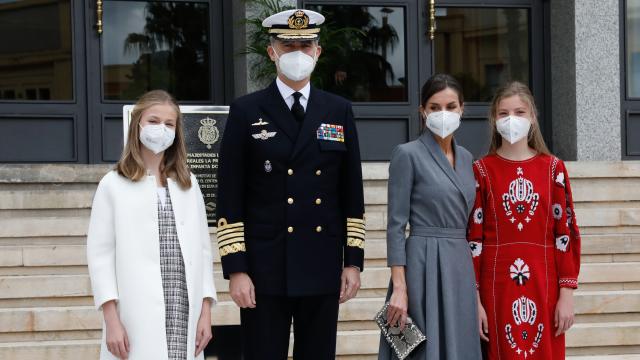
(402, 342)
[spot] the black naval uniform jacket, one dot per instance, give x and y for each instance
(290, 205)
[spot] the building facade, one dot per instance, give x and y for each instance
(67, 67)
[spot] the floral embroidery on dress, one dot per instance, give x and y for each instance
(476, 248)
(520, 194)
(560, 179)
(478, 216)
(524, 312)
(519, 272)
(562, 242)
(557, 211)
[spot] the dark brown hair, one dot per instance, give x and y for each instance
(435, 84)
(174, 161)
(534, 139)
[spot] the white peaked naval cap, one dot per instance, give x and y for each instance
(297, 24)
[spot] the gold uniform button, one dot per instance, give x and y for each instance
(290, 229)
(318, 172)
(319, 229)
(290, 201)
(290, 172)
(318, 201)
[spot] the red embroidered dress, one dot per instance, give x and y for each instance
(526, 245)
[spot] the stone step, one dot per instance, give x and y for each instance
(74, 318)
(226, 312)
(604, 334)
(610, 273)
(51, 192)
(47, 223)
(607, 302)
(608, 217)
(73, 255)
(51, 198)
(596, 249)
(34, 226)
(357, 342)
(45, 350)
(36, 286)
(348, 343)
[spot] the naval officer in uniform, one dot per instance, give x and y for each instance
(290, 202)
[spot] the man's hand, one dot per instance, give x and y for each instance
(242, 291)
(350, 283)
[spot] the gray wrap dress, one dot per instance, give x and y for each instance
(435, 199)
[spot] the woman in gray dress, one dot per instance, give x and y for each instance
(431, 187)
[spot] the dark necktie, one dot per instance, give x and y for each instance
(297, 109)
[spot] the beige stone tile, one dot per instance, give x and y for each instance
(55, 255)
(10, 256)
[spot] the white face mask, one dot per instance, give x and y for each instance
(513, 128)
(443, 123)
(296, 65)
(157, 138)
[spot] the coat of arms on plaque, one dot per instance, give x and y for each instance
(208, 132)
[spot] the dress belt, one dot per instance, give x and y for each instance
(438, 232)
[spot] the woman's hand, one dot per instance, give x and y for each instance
(483, 323)
(203, 331)
(564, 311)
(116, 337)
(398, 306)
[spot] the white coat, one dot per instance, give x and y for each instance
(123, 253)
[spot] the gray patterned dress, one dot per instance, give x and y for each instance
(174, 282)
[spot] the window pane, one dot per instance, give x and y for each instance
(363, 52)
(156, 45)
(633, 48)
(35, 50)
(483, 48)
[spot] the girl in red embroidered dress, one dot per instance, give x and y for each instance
(523, 236)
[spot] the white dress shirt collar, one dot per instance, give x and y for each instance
(287, 93)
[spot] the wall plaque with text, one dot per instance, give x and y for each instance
(203, 129)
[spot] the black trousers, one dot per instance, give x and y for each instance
(266, 328)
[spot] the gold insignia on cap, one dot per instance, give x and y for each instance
(299, 20)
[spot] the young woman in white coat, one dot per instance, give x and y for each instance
(148, 245)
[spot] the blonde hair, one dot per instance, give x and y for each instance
(174, 162)
(534, 139)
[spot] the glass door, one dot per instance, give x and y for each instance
(372, 54)
(484, 47)
(379, 53)
(42, 101)
(137, 46)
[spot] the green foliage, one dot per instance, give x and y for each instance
(258, 38)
